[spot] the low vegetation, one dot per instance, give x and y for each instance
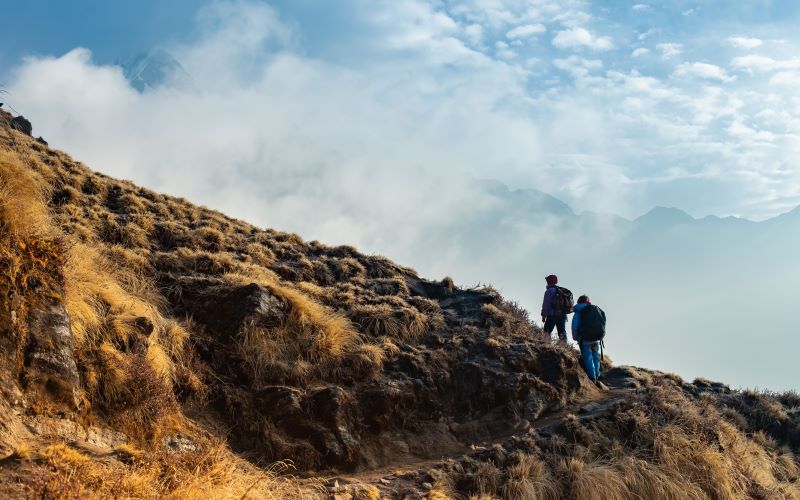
(206, 349)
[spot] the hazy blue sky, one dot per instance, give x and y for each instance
(623, 105)
(364, 121)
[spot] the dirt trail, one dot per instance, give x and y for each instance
(392, 476)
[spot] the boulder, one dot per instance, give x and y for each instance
(49, 362)
(225, 311)
(22, 124)
(321, 417)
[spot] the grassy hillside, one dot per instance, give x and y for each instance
(150, 347)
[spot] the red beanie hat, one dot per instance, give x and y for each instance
(552, 279)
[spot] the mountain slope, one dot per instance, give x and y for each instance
(664, 275)
(150, 347)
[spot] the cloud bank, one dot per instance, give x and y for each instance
(575, 118)
(378, 145)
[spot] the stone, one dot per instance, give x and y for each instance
(224, 314)
(180, 443)
(591, 407)
(22, 124)
(49, 356)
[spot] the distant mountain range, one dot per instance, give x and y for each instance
(720, 291)
(155, 68)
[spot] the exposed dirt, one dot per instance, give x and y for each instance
(410, 477)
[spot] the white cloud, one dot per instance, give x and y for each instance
(577, 66)
(634, 84)
(505, 14)
(762, 63)
(474, 98)
(786, 78)
(358, 151)
(640, 52)
(474, 33)
(640, 7)
(702, 70)
(741, 42)
(744, 132)
(504, 51)
(282, 143)
(642, 36)
(581, 37)
(669, 50)
(526, 31)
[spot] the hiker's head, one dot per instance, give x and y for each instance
(584, 299)
(552, 279)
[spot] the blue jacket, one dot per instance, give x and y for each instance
(576, 320)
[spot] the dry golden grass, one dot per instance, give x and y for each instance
(530, 479)
(663, 443)
(119, 240)
(23, 212)
(117, 322)
(103, 246)
(211, 239)
(31, 254)
(22, 452)
(591, 481)
(442, 487)
(674, 447)
(209, 473)
(311, 334)
(389, 320)
(487, 479)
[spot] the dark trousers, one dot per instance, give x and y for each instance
(559, 322)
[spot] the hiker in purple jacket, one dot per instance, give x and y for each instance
(551, 316)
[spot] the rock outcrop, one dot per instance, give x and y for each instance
(49, 364)
(457, 386)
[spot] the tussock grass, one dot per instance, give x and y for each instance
(313, 342)
(116, 256)
(118, 324)
(30, 251)
(530, 479)
(488, 479)
(442, 487)
(664, 443)
(120, 240)
(388, 320)
(212, 472)
(673, 447)
(23, 212)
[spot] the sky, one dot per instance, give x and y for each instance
(366, 122)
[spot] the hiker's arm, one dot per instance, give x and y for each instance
(547, 303)
(576, 324)
(544, 303)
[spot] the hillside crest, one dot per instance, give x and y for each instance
(150, 347)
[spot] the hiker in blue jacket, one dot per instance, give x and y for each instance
(589, 333)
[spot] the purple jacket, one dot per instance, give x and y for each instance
(549, 298)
